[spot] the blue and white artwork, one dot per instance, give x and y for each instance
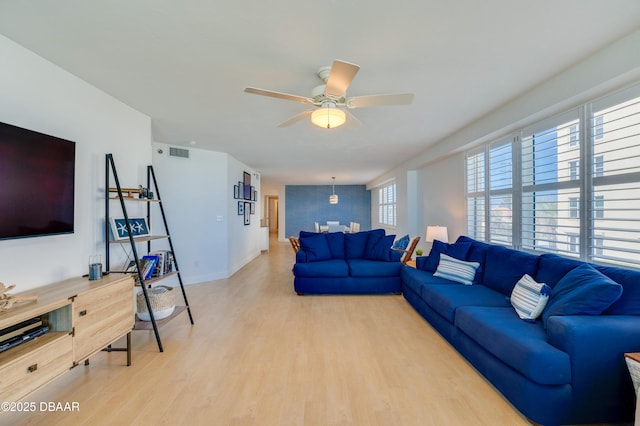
(139, 227)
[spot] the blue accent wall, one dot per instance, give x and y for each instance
(306, 204)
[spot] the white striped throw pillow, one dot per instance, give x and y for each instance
(456, 270)
(529, 298)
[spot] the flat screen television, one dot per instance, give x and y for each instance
(37, 174)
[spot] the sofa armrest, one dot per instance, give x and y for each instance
(593, 335)
(301, 256)
(596, 346)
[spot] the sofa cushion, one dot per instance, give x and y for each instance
(381, 250)
(505, 266)
(445, 299)
(421, 262)
(456, 270)
(551, 268)
(477, 253)
(415, 279)
(373, 268)
(335, 240)
(355, 244)
(457, 250)
(326, 268)
(316, 247)
(629, 279)
(521, 345)
(583, 291)
(529, 298)
(401, 243)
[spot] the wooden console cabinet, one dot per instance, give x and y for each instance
(83, 318)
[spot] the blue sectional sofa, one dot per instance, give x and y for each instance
(338, 263)
(566, 367)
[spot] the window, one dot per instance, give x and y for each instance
(598, 207)
(615, 226)
(574, 169)
(598, 246)
(574, 135)
(573, 207)
(489, 196)
(598, 127)
(598, 166)
(550, 187)
(553, 188)
(500, 193)
(574, 243)
(476, 194)
(387, 205)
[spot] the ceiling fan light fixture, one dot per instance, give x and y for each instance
(328, 116)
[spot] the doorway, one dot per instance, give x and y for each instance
(272, 214)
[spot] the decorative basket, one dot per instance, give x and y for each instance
(634, 369)
(161, 300)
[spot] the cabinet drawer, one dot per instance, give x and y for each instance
(30, 365)
(102, 316)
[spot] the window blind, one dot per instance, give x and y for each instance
(614, 231)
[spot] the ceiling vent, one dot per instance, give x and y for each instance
(178, 152)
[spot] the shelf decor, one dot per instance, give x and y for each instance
(139, 227)
(7, 300)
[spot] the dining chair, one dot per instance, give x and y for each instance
(295, 244)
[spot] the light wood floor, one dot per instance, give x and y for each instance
(260, 355)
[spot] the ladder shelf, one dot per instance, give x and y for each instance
(123, 196)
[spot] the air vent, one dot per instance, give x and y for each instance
(178, 152)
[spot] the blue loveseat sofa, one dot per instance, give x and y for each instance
(339, 263)
(565, 368)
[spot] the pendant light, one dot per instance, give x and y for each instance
(333, 199)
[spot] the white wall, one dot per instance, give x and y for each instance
(37, 95)
(194, 197)
(441, 167)
(210, 239)
(445, 204)
(244, 242)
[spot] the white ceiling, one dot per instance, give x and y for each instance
(186, 63)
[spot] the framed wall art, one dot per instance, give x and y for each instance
(246, 185)
(139, 227)
(247, 213)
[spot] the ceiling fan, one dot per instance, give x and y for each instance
(330, 98)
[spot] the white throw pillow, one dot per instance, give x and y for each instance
(456, 270)
(529, 298)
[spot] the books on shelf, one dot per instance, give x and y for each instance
(153, 265)
(166, 262)
(148, 264)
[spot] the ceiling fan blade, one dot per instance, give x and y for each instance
(352, 120)
(380, 100)
(278, 95)
(340, 77)
(296, 118)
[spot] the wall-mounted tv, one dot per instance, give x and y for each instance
(37, 174)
